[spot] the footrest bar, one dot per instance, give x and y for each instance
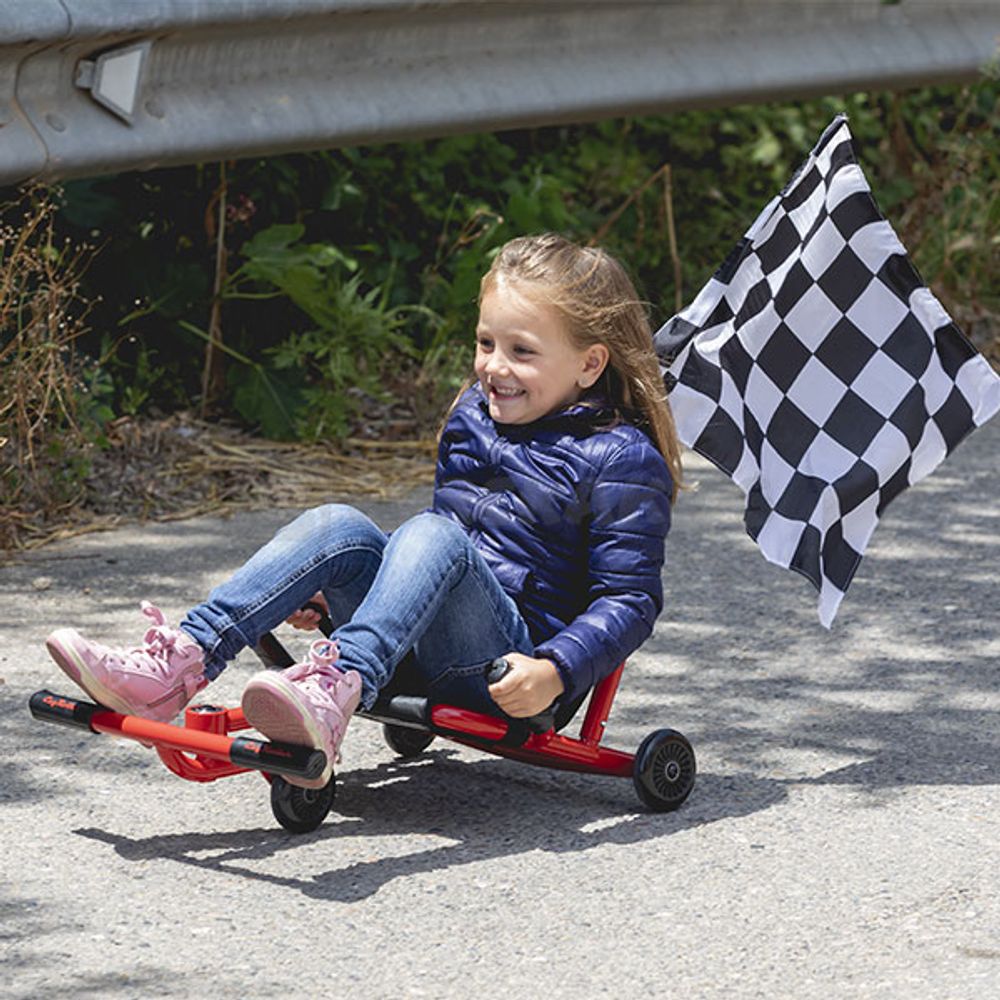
(287, 759)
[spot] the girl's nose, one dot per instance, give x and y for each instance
(496, 363)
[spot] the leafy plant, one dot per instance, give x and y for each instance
(343, 353)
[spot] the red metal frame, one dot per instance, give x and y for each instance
(201, 766)
(197, 751)
(200, 749)
(549, 749)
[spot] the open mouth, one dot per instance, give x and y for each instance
(503, 393)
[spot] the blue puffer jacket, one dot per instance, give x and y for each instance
(570, 512)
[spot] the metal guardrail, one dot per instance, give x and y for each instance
(235, 78)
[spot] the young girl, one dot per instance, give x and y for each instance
(556, 471)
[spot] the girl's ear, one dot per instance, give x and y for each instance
(595, 360)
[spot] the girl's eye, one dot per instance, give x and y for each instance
(524, 351)
(484, 344)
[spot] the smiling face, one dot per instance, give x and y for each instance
(526, 361)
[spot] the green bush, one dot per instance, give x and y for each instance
(343, 269)
(341, 354)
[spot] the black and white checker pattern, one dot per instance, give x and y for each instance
(818, 371)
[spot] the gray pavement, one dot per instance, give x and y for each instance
(843, 839)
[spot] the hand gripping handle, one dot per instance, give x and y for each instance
(540, 723)
(325, 623)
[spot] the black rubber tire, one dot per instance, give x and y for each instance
(301, 810)
(406, 742)
(664, 770)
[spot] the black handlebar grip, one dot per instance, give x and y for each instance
(325, 623)
(540, 723)
(497, 670)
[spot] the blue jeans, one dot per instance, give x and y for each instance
(424, 588)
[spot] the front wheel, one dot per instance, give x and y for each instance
(663, 771)
(406, 742)
(301, 810)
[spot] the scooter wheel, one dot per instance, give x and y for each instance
(406, 742)
(663, 771)
(301, 810)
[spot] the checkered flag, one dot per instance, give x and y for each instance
(819, 372)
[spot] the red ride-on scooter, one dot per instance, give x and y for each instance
(203, 749)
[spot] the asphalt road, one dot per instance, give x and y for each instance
(843, 839)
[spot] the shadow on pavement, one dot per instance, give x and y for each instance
(482, 809)
(901, 692)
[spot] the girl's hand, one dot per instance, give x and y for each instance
(308, 619)
(529, 688)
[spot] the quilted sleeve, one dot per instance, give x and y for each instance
(629, 518)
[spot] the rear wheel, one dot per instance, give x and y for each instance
(301, 810)
(664, 769)
(407, 742)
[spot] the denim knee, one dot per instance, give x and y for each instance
(425, 535)
(333, 521)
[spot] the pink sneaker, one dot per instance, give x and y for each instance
(309, 704)
(154, 680)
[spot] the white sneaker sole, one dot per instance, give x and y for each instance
(273, 706)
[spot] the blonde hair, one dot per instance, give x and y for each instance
(599, 303)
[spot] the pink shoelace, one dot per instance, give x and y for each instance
(161, 641)
(323, 654)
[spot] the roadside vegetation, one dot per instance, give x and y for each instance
(156, 328)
